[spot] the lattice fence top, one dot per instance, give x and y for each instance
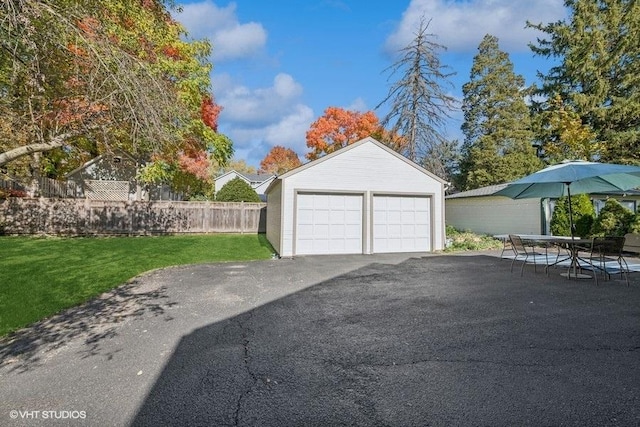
(106, 190)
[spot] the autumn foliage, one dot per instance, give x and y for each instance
(279, 160)
(79, 78)
(209, 112)
(197, 164)
(338, 128)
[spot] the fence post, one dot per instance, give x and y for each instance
(129, 208)
(242, 221)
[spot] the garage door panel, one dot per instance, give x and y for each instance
(305, 216)
(320, 216)
(329, 224)
(408, 217)
(401, 224)
(422, 230)
(305, 229)
(336, 203)
(336, 217)
(353, 217)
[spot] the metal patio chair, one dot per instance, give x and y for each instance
(606, 250)
(523, 250)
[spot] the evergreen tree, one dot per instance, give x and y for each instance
(563, 136)
(420, 105)
(237, 190)
(613, 220)
(583, 216)
(598, 72)
(498, 136)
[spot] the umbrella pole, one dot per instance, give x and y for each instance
(574, 261)
(570, 210)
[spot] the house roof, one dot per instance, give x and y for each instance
(367, 140)
(491, 189)
(115, 153)
(258, 177)
(478, 192)
(249, 177)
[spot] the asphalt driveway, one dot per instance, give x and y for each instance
(394, 340)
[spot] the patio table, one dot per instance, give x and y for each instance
(573, 245)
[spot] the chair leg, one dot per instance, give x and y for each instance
(624, 269)
(546, 259)
(535, 265)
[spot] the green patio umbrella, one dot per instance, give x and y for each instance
(573, 177)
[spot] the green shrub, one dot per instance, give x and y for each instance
(467, 241)
(583, 216)
(635, 224)
(237, 190)
(613, 220)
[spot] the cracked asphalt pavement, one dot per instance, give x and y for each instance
(380, 340)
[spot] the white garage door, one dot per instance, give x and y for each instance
(401, 224)
(328, 224)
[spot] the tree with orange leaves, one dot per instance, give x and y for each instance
(338, 128)
(279, 160)
(80, 77)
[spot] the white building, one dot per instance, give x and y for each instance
(362, 199)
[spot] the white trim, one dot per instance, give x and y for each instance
(430, 196)
(297, 192)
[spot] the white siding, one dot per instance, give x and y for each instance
(495, 215)
(274, 216)
(368, 169)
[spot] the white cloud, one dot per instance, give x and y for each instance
(230, 38)
(291, 130)
(358, 104)
(460, 26)
(258, 106)
(258, 119)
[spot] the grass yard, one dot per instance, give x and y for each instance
(42, 276)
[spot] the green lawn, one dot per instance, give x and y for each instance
(42, 276)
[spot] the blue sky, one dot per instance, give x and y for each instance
(279, 64)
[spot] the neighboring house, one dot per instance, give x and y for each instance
(259, 182)
(481, 212)
(112, 176)
(362, 199)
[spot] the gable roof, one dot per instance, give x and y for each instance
(115, 153)
(257, 177)
(490, 190)
(478, 192)
(367, 140)
(249, 177)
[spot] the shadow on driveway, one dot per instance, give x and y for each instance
(93, 322)
(440, 340)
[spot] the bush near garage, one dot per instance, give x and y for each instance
(458, 240)
(583, 216)
(613, 220)
(635, 224)
(237, 190)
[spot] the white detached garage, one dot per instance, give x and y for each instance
(362, 199)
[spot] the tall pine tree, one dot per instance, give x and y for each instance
(598, 73)
(498, 136)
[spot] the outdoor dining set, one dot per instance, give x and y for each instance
(582, 255)
(583, 258)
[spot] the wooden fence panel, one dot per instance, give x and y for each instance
(102, 217)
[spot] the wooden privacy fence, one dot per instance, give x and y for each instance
(99, 217)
